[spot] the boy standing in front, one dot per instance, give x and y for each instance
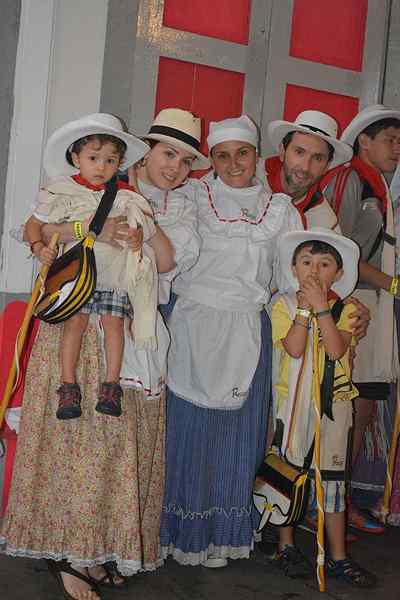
(319, 268)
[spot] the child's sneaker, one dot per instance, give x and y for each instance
(69, 401)
(349, 571)
(110, 399)
(292, 562)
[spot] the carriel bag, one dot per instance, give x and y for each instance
(71, 279)
(281, 490)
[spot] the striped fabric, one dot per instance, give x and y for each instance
(212, 458)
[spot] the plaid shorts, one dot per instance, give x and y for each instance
(109, 303)
(334, 495)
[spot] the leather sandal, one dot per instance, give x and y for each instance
(56, 567)
(110, 578)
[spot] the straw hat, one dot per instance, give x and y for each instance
(347, 249)
(367, 116)
(317, 123)
(240, 129)
(54, 159)
(182, 129)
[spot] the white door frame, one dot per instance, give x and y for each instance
(58, 77)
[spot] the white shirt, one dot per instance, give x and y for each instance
(215, 326)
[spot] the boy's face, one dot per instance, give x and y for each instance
(96, 163)
(320, 267)
(235, 163)
(383, 151)
(304, 161)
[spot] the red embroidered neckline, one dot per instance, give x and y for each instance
(240, 219)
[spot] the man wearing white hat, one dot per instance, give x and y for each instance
(362, 201)
(307, 148)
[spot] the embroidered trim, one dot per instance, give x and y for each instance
(242, 219)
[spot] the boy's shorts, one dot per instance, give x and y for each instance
(334, 496)
(109, 303)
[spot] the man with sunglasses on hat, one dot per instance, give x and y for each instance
(361, 198)
(307, 148)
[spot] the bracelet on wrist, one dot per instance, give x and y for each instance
(305, 325)
(32, 245)
(394, 286)
(303, 312)
(323, 313)
(78, 230)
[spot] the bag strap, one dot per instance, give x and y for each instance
(328, 379)
(103, 210)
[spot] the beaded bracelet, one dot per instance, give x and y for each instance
(32, 245)
(78, 230)
(323, 313)
(394, 286)
(296, 322)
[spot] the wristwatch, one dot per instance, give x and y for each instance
(303, 312)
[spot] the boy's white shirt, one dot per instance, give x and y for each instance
(135, 273)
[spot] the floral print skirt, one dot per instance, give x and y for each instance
(89, 489)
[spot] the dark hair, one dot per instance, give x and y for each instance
(372, 130)
(289, 136)
(318, 247)
(150, 142)
(102, 138)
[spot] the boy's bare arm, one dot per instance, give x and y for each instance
(296, 338)
(33, 235)
(33, 231)
(334, 340)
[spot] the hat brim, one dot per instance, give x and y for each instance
(347, 249)
(200, 162)
(278, 129)
(360, 122)
(54, 159)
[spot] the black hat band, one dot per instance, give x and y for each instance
(177, 134)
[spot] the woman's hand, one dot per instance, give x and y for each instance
(114, 229)
(134, 238)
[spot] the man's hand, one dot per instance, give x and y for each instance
(361, 316)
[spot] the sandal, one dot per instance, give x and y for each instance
(110, 399)
(63, 566)
(349, 571)
(110, 578)
(69, 401)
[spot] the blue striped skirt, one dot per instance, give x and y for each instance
(212, 457)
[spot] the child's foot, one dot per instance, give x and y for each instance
(292, 562)
(349, 571)
(110, 399)
(69, 402)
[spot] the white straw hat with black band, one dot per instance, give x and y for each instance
(367, 116)
(182, 129)
(348, 250)
(239, 129)
(55, 154)
(316, 123)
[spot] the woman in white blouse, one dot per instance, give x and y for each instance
(219, 369)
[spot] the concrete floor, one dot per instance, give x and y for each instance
(254, 579)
